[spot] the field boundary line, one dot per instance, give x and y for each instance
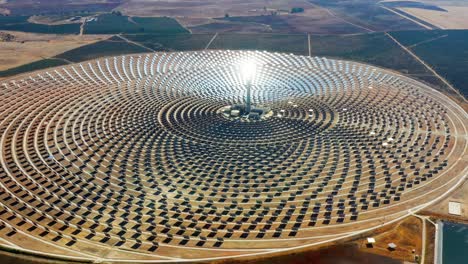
(135, 43)
(342, 19)
(406, 17)
(427, 41)
(211, 40)
(427, 66)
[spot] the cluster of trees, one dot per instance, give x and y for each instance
(274, 13)
(117, 13)
(297, 10)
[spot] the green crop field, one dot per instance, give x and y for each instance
(58, 7)
(103, 24)
(448, 55)
(277, 23)
(111, 47)
(367, 13)
(20, 23)
(116, 24)
(376, 49)
(415, 37)
(172, 42)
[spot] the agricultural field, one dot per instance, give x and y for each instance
(110, 47)
(19, 48)
(111, 23)
(275, 22)
(411, 4)
(444, 14)
(375, 48)
(368, 14)
(34, 7)
(447, 53)
(317, 24)
(411, 37)
(244, 16)
(224, 26)
(210, 8)
(58, 19)
(174, 42)
(21, 23)
(115, 24)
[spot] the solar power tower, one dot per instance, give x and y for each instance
(247, 99)
(248, 70)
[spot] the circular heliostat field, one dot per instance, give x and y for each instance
(130, 158)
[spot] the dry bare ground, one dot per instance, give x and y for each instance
(440, 209)
(406, 234)
(196, 13)
(47, 20)
(30, 47)
(455, 17)
(4, 11)
(208, 8)
(22, 7)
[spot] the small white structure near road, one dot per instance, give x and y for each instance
(235, 112)
(392, 246)
(370, 240)
(454, 208)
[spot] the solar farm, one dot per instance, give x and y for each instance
(132, 159)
